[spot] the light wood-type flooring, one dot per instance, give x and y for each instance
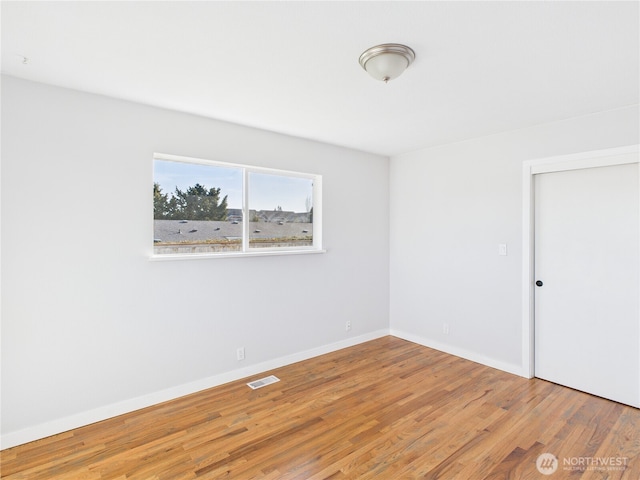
(386, 409)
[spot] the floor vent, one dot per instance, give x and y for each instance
(263, 382)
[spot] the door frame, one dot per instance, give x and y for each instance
(596, 158)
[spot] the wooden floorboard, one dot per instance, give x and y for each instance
(386, 409)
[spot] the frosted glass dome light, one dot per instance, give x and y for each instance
(387, 61)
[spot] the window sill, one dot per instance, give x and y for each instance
(207, 256)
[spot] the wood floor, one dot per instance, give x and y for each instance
(387, 409)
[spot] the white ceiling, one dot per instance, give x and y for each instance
(292, 67)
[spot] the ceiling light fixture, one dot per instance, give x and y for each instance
(387, 61)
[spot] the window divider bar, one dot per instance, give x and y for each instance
(245, 210)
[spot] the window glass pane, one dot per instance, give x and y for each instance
(196, 208)
(280, 211)
(202, 207)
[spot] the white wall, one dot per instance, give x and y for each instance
(92, 328)
(450, 208)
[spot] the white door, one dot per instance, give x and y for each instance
(587, 268)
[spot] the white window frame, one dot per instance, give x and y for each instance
(247, 250)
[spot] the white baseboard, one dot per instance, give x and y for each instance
(461, 352)
(54, 427)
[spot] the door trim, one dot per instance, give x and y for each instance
(596, 158)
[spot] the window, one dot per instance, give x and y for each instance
(207, 208)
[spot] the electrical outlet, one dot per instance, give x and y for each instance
(445, 328)
(240, 353)
(347, 325)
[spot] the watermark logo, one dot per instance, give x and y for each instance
(547, 463)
